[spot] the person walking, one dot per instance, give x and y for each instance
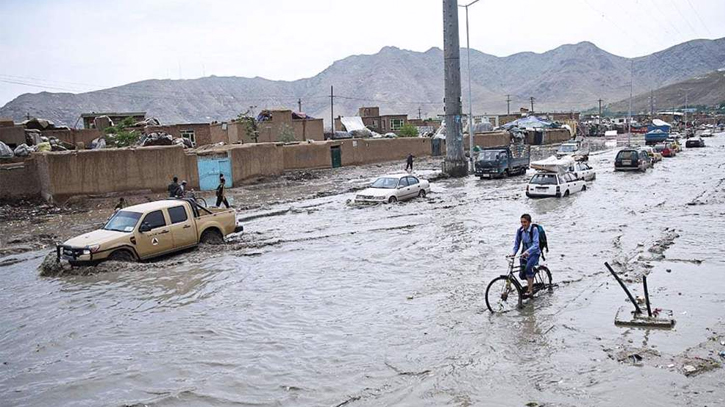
(174, 188)
(409, 163)
(220, 192)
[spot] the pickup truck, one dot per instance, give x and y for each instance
(503, 161)
(148, 230)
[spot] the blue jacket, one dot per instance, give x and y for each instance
(531, 246)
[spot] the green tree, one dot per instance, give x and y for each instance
(120, 136)
(286, 134)
(408, 130)
(249, 123)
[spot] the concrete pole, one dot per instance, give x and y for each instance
(455, 163)
(332, 112)
(470, 98)
(629, 118)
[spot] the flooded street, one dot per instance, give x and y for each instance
(324, 303)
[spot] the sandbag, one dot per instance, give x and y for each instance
(44, 146)
(22, 150)
(5, 151)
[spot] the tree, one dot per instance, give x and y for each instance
(119, 136)
(286, 133)
(408, 130)
(249, 124)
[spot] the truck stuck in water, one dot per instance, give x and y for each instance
(504, 161)
(149, 230)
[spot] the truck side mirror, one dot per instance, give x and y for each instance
(145, 227)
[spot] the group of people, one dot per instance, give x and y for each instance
(177, 190)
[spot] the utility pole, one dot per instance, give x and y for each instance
(686, 107)
(508, 104)
(332, 114)
(299, 105)
(651, 102)
(470, 97)
(455, 163)
(600, 111)
(419, 113)
(629, 118)
(532, 105)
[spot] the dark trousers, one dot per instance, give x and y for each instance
(409, 165)
(221, 199)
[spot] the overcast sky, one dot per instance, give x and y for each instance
(76, 46)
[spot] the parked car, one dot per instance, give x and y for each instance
(583, 171)
(140, 232)
(393, 188)
(656, 157)
(695, 142)
(706, 133)
(551, 184)
(630, 159)
(666, 149)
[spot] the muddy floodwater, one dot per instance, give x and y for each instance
(320, 303)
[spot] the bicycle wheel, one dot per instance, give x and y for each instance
(503, 295)
(542, 280)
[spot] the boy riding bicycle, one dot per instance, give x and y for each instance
(527, 237)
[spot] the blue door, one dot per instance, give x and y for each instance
(210, 166)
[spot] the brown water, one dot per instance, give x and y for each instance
(322, 303)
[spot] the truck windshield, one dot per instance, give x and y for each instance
(489, 155)
(123, 221)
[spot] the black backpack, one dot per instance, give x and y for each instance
(543, 242)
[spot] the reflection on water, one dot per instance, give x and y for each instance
(379, 305)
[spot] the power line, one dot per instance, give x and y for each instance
(683, 17)
(698, 17)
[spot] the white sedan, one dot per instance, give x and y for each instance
(583, 171)
(393, 188)
(545, 184)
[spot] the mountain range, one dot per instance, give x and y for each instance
(708, 90)
(569, 77)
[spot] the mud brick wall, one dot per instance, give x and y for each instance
(307, 156)
(366, 151)
(12, 135)
(556, 136)
(255, 160)
(489, 139)
(19, 180)
(87, 172)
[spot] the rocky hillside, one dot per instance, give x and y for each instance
(399, 81)
(708, 90)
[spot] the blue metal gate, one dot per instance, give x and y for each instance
(210, 166)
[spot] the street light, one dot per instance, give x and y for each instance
(470, 97)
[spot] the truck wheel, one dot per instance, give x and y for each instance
(211, 236)
(122, 255)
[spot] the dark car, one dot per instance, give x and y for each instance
(630, 159)
(695, 142)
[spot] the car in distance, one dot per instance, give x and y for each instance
(630, 159)
(551, 184)
(393, 188)
(583, 171)
(695, 142)
(656, 157)
(148, 230)
(665, 149)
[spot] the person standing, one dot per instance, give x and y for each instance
(174, 188)
(220, 192)
(182, 190)
(120, 205)
(409, 162)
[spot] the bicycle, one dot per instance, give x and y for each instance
(505, 292)
(192, 196)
